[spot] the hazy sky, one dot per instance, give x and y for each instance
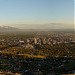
(36, 12)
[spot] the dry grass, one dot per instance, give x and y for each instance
(32, 56)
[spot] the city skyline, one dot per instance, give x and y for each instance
(36, 12)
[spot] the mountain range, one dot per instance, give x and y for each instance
(44, 26)
(8, 28)
(37, 27)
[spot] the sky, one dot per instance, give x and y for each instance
(33, 12)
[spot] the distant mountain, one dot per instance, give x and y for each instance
(50, 26)
(8, 28)
(38, 27)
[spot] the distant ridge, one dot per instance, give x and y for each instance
(8, 28)
(50, 26)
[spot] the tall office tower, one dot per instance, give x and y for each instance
(35, 40)
(43, 41)
(39, 41)
(28, 40)
(48, 41)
